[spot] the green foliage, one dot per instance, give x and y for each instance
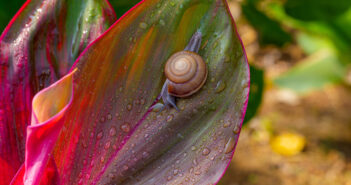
(256, 92)
(316, 10)
(322, 29)
(122, 6)
(269, 30)
(7, 10)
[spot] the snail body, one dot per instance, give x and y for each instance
(186, 73)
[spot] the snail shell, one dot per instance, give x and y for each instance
(186, 72)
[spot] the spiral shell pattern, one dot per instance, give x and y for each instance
(186, 72)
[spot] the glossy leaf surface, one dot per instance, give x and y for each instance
(111, 134)
(37, 48)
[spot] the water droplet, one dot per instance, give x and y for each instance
(226, 124)
(112, 131)
(129, 107)
(109, 116)
(193, 148)
(220, 87)
(99, 136)
(206, 151)
(170, 117)
(145, 154)
(107, 145)
(236, 129)
(143, 25)
(125, 127)
(157, 107)
(229, 146)
(175, 171)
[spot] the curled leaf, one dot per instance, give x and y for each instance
(37, 48)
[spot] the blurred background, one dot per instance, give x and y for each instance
(299, 52)
(297, 130)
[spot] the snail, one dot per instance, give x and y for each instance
(186, 73)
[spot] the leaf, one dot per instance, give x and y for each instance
(7, 10)
(316, 10)
(38, 47)
(122, 6)
(313, 73)
(334, 30)
(269, 30)
(256, 92)
(320, 68)
(110, 134)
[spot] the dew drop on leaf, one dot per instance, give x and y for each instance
(229, 146)
(175, 171)
(157, 107)
(206, 151)
(143, 25)
(220, 87)
(125, 127)
(99, 136)
(170, 117)
(107, 145)
(193, 148)
(129, 107)
(236, 129)
(112, 131)
(109, 116)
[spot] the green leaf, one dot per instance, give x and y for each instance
(269, 30)
(256, 92)
(8, 10)
(122, 6)
(316, 71)
(316, 10)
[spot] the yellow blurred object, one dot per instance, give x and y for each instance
(288, 144)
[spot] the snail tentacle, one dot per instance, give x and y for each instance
(194, 43)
